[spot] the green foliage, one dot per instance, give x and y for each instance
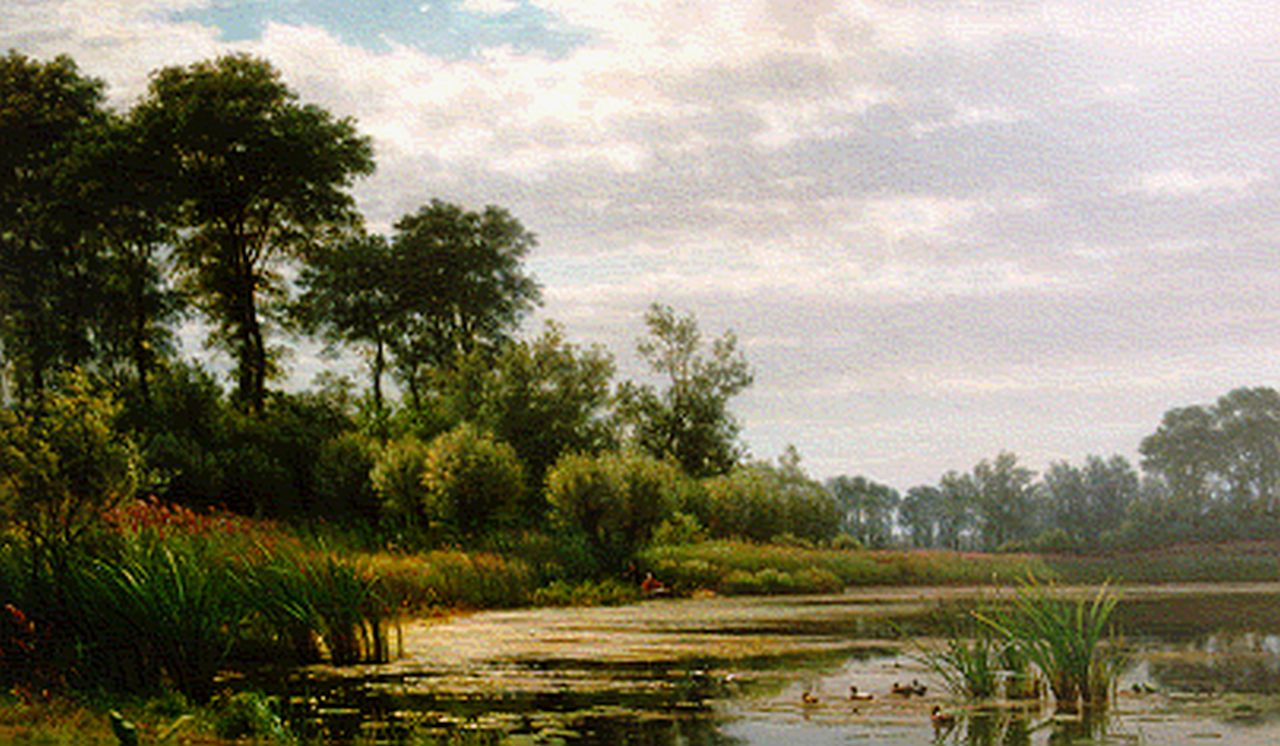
(349, 296)
(170, 607)
(1070, 641)
(1087, 503)
(614, 500)
(607, 592)
(452, 578)
(257, 177)
(470, 481)
(343, 486)
(709, 564)
(762, 502)
(251, 715)
(969, 664)
(397, 480)
(48, 278)
(61, 465)
(689, 420)
(545, 397)
(867, 509)
(458, 286)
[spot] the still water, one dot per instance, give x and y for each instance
(702, 672)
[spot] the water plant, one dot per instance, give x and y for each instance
(969, 665)
(1070, 640)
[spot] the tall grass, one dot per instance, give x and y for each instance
(1071, 641)
(968, 665)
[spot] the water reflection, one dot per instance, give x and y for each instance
(1017, 728)
(730, 672)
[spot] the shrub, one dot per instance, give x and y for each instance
(761, 502)
(61, 466)
(397, 479)
(470, 481)
(343, 485)
(615, 500)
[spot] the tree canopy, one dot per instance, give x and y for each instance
(257, 177)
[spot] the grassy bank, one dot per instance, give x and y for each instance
(1235, 562)
(743, 568)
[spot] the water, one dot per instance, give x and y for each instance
(704, 672)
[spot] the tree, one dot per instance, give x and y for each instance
(458, 286)
(957, 510)
(545, 396)
(122, 181)
(1183, 452)
(920, 512)
(867, 508)
(689, 420)
(258, 178)
(470, 481)
(349, 296)
(1004, 500)
(47, 273)
(1086, 503)
(613, 500)
(1247, 426)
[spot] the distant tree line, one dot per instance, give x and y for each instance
(1208, 473)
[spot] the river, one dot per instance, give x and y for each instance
(1205, 668)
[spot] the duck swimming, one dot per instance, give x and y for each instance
(858, 696)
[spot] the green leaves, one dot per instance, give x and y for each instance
(689, 420)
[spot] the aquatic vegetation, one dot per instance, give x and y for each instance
(1069, 640)
(969, 665)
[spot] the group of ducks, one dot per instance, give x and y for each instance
(906, 691)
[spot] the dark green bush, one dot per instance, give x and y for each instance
(470, 481)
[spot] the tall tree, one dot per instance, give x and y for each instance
(689, 420)
(868, 508)
(123, 182)
(47, 273)
(1183, 452)
(1004, 500)
(259, 177)
(459, 286)
(1090, 501)
(919, 513)
(349, 296)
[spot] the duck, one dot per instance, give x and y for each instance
(858, 696)
(901, 691)
(918, 689)
(940, 718)
(809, 698)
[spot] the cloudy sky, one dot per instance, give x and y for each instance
(940, 228)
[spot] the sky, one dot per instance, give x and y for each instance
(940, 229)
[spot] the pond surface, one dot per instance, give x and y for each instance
(698, 672)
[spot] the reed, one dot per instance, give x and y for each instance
(1070, 641)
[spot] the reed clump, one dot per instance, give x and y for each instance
(1071, 641)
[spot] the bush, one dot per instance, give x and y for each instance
(763, 503)
(60, 467)
(615, 500)
(397, 480)
(343, 485)
(470, 481)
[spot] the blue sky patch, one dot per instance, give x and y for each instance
(438, 27)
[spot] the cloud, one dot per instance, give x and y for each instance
(489, 7)
(939, 227)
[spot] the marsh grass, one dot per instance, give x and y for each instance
(737, 567)
(1069, 640)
